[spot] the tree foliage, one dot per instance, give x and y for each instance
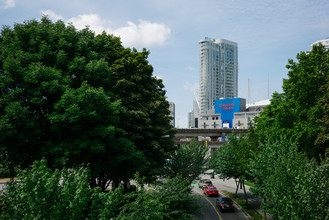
(323, 138)
(293, 185)
(74, 97)
(296, 112)
(41, 193)
(223, 162)
(290, 173)
(189, 161)
(232, 159)
(168, 199)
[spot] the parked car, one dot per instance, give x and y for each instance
(210, 191)
(204, 182)
(225, 204)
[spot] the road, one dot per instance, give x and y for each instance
(211, 212)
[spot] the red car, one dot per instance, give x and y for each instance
(210, 191)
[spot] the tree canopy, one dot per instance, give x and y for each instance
(298, 111)
(294, 186)
(41, 193)
(291, 173)
(75, 97)
(189, 161)
(233, 158)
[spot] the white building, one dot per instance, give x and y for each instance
(241, 119)
(210, 120)
(218, 71)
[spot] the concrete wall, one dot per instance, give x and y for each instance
(241, 119)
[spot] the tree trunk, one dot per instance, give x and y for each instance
(107, 184)
(264, 209)
(12, 173)
(237, 187)
(236, 183)
(115, 184)
(245, 194)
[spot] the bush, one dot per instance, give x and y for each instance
(170, 199)
(41, 193)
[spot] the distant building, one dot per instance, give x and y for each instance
(210, 120)
(172, 113)
(231, 113)
(218, 72)
(190, 119)
(194, 115)
(324, 42)
(258, 106)
(227, 107)
(241, 120)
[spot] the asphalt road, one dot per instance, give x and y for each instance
(210, 211)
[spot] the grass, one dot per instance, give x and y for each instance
(248, 208)
(249, 183)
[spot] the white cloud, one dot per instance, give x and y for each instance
(52, 15)
(143, 34)
(94, 22)
(4, 4)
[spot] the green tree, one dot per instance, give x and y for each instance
(323, 138)
(146, 114)
(232, 160)
(89, 116)
(296, 112)
(290, 182)
(313, 189)
(167, 199)
(40, 193)
(74, 98)
(189, 161)
(223, 162)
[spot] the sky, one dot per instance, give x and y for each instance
(268, 33)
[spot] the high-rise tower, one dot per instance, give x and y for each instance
(218, 71)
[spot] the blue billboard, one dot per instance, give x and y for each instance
(227, 107)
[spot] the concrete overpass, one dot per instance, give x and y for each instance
(213, 136)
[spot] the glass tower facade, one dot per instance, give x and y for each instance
(218, 72)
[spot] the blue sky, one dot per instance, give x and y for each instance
(268, 33)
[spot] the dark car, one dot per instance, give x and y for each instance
(210, 191)
(205, 182)
(225, 204)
